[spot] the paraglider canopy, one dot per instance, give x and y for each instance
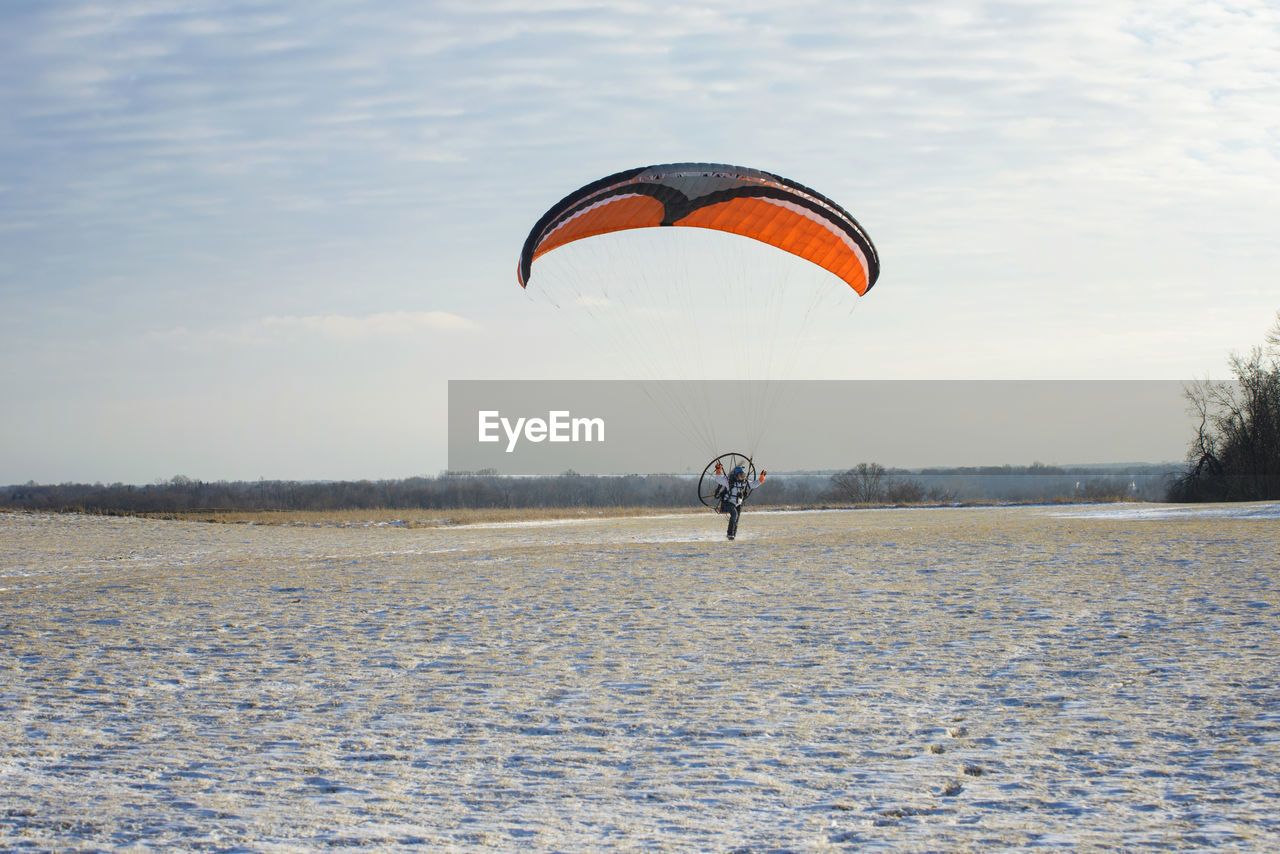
(748, 202)
(684, 274)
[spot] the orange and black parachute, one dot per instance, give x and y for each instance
(754, 204)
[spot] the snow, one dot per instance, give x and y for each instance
(1093, 678)
(1243, 510)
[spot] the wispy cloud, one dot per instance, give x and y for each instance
(274, 330)
(383, 325)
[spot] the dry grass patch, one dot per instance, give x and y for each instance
(418, 518)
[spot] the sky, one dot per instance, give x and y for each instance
(256, 240)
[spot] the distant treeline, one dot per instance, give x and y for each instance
(445, 492)
(869, 483)
(866, 483)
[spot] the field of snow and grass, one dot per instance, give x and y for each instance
(1082, 678)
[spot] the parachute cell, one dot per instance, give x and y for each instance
(748, 202)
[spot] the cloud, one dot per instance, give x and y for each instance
(316, 330)
(390, 324)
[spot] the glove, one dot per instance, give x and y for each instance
(719, 469)
(762, 474)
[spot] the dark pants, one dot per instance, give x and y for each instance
(733, 510)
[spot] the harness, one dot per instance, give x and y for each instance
(737, 491)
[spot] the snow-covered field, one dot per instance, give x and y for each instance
(1093, 678)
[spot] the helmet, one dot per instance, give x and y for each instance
(739, 472)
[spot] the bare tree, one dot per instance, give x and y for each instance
(1235, 455)
(862, 484)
